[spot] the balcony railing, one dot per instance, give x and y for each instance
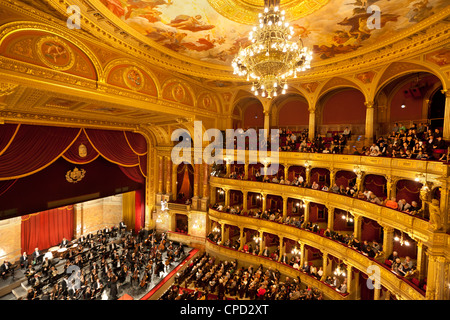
(416, 227)
(393, 282)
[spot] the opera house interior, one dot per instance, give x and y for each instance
(224, 150)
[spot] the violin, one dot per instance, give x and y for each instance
(144, 281)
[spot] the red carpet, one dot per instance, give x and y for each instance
(170, 275)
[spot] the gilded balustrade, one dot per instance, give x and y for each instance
(328, 291)
(349, 256)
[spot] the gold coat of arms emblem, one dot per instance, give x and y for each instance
(75, 175)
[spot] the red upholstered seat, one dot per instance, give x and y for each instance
(415, 281)
(388, 263)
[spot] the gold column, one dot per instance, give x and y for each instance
(205, 180)
(332, 176)
(196, 178)
(264, 204)
(306, 210)
(436, 280)
(223, 233)
(357, 225)
(369, 122)
(282, 248)
(324, 266)
(376, 294)
(286, 171)
(168, 176)
(350, 285)
(330, 222)
(246, 171)
(388, 240)
(161, 174)
(312, 123)
(446, 129)
(213, 195)
(227, 197)
(266, 124)
(285, 204)
(261, 242)
(303, 257)
(421, 259)
(129, 209)
(241, 237)
(174, 182)
(308, 173)
(244, 200)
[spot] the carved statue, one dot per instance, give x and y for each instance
(435, 215)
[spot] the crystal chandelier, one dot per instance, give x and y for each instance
(271, 57)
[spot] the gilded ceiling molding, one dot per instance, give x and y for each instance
(13, 27)
(125, 61)
(64, 121)
(7, 88)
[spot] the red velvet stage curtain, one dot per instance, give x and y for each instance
(345, 178)
(295, 171)
(409, 190)
(6, 185)
(47, 228)
(113, 146)
(139, 219)
(185, 179)
(7, 133)
(73, 153)
(134, 173)
(30, 150)
(320, 176)
(370, 230)
(376, 184)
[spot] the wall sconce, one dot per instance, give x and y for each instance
(401, 240)
(256, 239)
(338, 272)
(347, 218)
(420, 177)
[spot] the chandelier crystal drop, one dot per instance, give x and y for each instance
(272, 57)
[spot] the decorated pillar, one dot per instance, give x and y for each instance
(324, 266)
(446, 127)
(241, 237)
(195, 198)
(377, 294)
(421, 260)
(246, 171)
(286, 171)
(388, 240)
(303, 257)
(205, 194)
(244, 200)
(357, 226)
(282, 248)
(266, 124)
(350, 283)
(261, 242)
(174, 182)
(436, 278)
(285, 206)
(306, 210)
(332, 176)
(308, 172)
(369, 132)
(330, 222)
(312, 123)
(168, 175)
(264, 204)
(160, 174)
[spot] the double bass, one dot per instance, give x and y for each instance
(144, 281)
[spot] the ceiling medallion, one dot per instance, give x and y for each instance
(134, 79)
(271, 57)
(246, 11)
(55, 53)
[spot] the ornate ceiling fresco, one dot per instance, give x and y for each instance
(214, 30)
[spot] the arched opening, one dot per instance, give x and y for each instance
(436, 109)
(185, 182)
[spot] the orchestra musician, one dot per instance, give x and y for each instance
(36, 256)
(5, 268)
(24, 261)
(64, 243)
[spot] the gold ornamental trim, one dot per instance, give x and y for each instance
(55, 53)
(75, 175)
